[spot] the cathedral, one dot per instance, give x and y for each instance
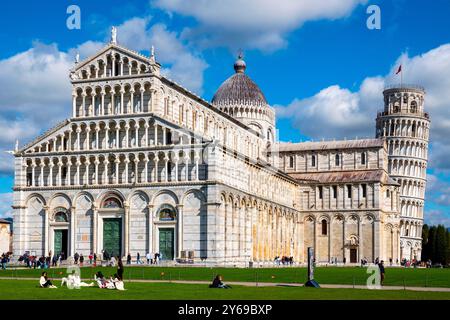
(143, 165)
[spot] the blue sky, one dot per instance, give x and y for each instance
(318, 64)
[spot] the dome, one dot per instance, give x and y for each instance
(239, 89)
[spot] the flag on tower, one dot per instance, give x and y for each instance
(399, 69)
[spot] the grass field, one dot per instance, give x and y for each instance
(325, 275)
(28, 290)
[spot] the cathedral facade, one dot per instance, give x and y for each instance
(144, 165)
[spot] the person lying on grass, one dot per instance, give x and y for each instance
(113, 283)
(74, 281)
(44, 282)
(217, 283)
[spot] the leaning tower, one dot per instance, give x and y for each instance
(405, 126)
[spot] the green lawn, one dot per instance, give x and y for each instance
(325, 275)
(29, 290)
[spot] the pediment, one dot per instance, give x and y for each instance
(99, 65)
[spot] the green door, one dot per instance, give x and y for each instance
(58, 245)
(112, 236)
(60, 242)
(166, 243)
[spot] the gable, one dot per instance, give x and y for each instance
(113, 60)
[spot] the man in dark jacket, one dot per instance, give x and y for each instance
(381, 267)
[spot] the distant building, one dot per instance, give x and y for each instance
(5, 236)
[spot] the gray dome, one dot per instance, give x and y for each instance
(239, 89)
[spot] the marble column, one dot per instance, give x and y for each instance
(46, 232)
(127, 227)
(95, 247)
(180, 230)
(72, 231)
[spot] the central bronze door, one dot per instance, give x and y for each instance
(166, 243)
(112, 236)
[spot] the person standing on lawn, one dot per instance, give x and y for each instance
(119, 268)
(381, 267)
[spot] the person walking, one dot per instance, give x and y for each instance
(81, 260)
(149, 257)
(138, 258)
(76, 257)
(382, 272)
(129, 258)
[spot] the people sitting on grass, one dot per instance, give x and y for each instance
(217, 283)
(45, 282)
(74, 281)
(115, 282)
(100, 279)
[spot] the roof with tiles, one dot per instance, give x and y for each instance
(239, 89)
(345, 176)
(331, 145)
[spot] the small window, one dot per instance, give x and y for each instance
(313, 160)
(363, 158)
(320, 189)
(337, 160)
(388, 193)
(364, 190)
(413, 108)
(291, 162)
(334, 192)
(324, 227)
(349, 191)
(64, 173)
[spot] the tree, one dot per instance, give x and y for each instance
(425, 252)
(441, 245)
(431, 244)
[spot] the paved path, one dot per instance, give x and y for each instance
(268, 284)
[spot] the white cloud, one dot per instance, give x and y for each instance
(336, 112)
(435, 217)
(179, 61)
(5, 205)
(35, 91)
(260, 24)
